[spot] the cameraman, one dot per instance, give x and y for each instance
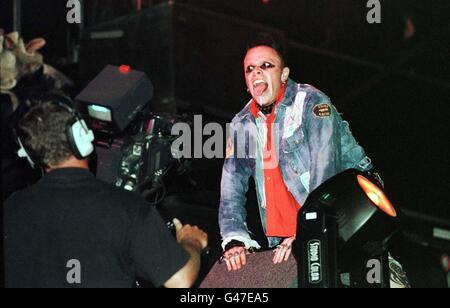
(72, 230)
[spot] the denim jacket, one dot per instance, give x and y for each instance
(313, 144)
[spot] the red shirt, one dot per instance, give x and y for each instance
(281, 206)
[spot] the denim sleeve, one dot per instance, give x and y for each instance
(353, 155)
(322, 130)
(235, 178)
(332, 146)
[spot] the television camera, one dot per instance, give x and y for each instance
(133, 144)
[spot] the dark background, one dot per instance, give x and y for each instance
(395, 92)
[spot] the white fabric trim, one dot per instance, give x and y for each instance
(305, 179)
(262, 140)
(247, 242)
(294, 115)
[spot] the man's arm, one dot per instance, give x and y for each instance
(235, 176)
(193, 240)
(160, 258)
(331, 143)
(323, 140)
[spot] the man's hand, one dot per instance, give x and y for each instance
(193, 241)
(235, 258)
(190, 234)
(283, 251)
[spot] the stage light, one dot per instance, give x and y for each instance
(377, 196)
(344, 225)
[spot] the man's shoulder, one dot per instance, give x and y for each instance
(99, 190)
(23, 195)
(15, 197)
(19, 202)
(313, 95)
(241, 115)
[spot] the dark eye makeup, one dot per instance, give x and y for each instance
(264, 66)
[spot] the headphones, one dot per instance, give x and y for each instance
(79, 137)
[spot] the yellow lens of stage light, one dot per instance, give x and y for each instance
(377, 196)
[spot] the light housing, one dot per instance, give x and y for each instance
(345, 222)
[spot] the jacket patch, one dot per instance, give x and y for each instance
(322, 110)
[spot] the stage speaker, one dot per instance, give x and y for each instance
(193, 56)
(259, 272)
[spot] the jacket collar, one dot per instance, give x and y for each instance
(288, 100)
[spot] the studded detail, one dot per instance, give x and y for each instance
(266, 109)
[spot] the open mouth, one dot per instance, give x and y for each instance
(259, 87)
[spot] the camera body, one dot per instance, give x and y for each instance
(138, 158)
(133, 145)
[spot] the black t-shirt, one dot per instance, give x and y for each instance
(70, 227)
